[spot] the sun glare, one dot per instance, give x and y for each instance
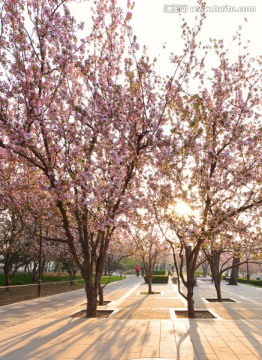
(181, 209)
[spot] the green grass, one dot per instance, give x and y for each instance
(24, 279)
(112, 279)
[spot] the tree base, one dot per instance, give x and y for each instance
(100, 314)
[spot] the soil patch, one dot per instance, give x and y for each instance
(199, 314)
(100, 314)
(152, 293)
(106, 302)
(223, 300)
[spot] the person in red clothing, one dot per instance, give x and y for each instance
(137, 270)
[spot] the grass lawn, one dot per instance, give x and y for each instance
(24, 279)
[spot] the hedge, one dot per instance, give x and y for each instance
(251, 282)
(160, 272)
(158, 279)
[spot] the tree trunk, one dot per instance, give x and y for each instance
(214, 267)
(91, 308)
(7, 267)
(101, 295)
(217, 283)
(190, 300)
(7, 277)
(91, 291)
(33, 274)
(149, 283)
(190, 282)
(234, 272)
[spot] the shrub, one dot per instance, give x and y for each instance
(160, 272)
(251, 282)
(199, 273)
(158, 279)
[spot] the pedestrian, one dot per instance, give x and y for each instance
(137, 270)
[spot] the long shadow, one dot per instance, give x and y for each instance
(20, 312)
(44, 334)
(127, 311)
(250, 329)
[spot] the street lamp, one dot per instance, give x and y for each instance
(40, 261)
(248, 276)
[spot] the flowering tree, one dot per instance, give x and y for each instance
(149, 247)
(24, 208)
(247, 270)
(80, 111)
(213, 162)
(120, 247)
(229, 251)
(12, 227)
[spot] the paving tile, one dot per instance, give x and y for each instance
(225, 353)
(187, 356)
(112, 355)
(207, 357)
(229, 337)
(85, 356)
(216, 342)
(168, 355)
(257, 352)
(21, 354)
(209, 332)
(239, 348)
(143, 329)
(249, 341)
(134, 346)
(130, 355)
(152, 340)
(77, 351)
(186, 349)
(168, 349)
(197, 335)
(203, 347)
(153, 331)
(167, 336)
(150, 351)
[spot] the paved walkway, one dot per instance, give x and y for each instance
(141, 326)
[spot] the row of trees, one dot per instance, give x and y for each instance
(90, 133)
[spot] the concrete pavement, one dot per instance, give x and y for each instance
(140, 327)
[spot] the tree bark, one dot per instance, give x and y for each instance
(214, 267)
(101, 294)
(91, 308)
(234, 272)
(190, 282)
(149, 283)
(190, 299)
(7, 265)
(217, 283)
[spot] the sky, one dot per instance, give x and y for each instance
(156, 22)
